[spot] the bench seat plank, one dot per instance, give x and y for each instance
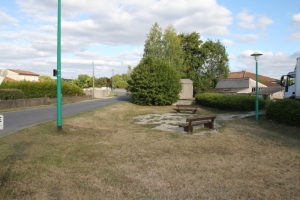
(192, 108)
(207, 121)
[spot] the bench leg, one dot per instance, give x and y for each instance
(209, 125)
(190, 129)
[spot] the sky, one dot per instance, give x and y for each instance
(112, 33)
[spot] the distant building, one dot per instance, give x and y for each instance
(245, 83)
(20, 75)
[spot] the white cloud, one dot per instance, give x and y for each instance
(5, 18)
(227, 42)
(253, 21)
(294, 36)
(248, 38)
(270, 64)
(296, 18)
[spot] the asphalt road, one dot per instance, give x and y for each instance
(16, 120)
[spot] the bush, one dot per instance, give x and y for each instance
(43, 89)
(8, 94)
(154, 82)
(286, 111)
(229, 101)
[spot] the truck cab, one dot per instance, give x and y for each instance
(291, 83)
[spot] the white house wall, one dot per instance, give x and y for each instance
(13, 75)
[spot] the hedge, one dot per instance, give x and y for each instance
(229, 101)
(286, 111)
(9, 94)
(43, 89)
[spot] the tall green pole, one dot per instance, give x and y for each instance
(256, 92)
(58, 78)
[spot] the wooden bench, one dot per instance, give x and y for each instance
(208, 122)
(192, 108)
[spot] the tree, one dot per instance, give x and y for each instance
(165, 46)
(154, 82)
(215, 62)
(203, 63)
(84, 81)
(119, 81)
(173, 53)
(100, 82)
(154, 44)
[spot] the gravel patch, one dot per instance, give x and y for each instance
(170, 121)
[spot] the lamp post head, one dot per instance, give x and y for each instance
(256, 55)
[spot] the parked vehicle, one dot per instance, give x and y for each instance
(291, 83)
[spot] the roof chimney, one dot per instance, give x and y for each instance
(244, 73)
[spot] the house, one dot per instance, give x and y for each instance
(245, 83)
(20, 75)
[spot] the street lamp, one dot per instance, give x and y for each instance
(256, 55)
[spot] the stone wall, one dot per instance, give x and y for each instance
(99, 92)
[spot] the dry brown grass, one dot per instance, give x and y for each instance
(104, 155)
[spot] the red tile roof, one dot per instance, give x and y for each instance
(245, 74)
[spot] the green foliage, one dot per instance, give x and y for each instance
(8, 94)
(153, 44)
(120, 81)
(45, 78)
(100, 82)
(204, 62)
(84, 81)
(154, 82)
(165, 46)
(42, 89)
(229, 101)
(286, 111)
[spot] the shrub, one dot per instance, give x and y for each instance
(286, 111)
(42, 89)
(154, 82)
(7, 94)
(229, 101)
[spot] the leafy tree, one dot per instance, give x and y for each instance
(154, 44)
(164, 45)
(119, 81)
(215, 59)
(173, 53)
(100, 82)
(84, 81)
(154, 82)
(190, 44)
(204, 62)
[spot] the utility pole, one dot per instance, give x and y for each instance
(93, 82)
(58, 78)
(112, 85)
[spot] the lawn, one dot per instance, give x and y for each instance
(104, 154)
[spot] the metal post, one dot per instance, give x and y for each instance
(112, 85)
(58, 78)
(256, 92)
(93, 82)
